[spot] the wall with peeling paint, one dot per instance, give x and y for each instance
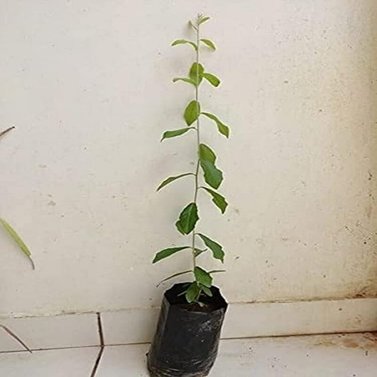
(88, 86)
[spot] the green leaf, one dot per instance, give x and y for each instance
(203, 277)
(184, 287)
(217, 249)
(188, 219)
(202, 20)
(206, 153)
(185, 79)
(212, 79)
(192, 112)
(168, 252)
(173, 276)
(196, 73)
(193, 293)
(172, 179)
(207, 291)
(223, 129)
(209, 44)
(174, 133)
(16, 238)
(218, 199)
(183, 42)
(212, 175)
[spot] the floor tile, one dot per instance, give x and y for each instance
(125, 361)
(352, 355)
(306, 317)
(314, 356)
(129, 326)
(52, 332)
(8, 343)
(74, 362)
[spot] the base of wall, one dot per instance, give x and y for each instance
(242, 321)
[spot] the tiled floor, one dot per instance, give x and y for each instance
(352, 355)
(72, 362)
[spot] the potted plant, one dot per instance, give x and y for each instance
(13, 234)
(192, 313)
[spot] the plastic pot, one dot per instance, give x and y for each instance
(187, 336)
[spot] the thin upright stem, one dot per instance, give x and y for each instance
(197, 29)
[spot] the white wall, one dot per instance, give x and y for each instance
(88, 86)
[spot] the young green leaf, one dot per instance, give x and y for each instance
(168, 252)
(184, 41)
(185, 79)
(196, 73)
(212, 175)
(192, 293)
(206, 153)
(218, 199)
(207, 291)
(16, 238)
(212, 79)
(192, 112)
(173, 276)
(188, 219)
(174, 133)
(172, 179)
(209, 44)
(202, 20)
(203, 277)
(217, 249)
(223, 129)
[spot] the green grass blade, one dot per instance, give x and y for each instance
(16, 238)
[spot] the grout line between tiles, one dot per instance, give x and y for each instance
(300, 335)
(261, 337)
(96, 364)
(14, 336)
(102, 345)
(100, 330)
(49, 349)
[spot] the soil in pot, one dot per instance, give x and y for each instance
(187, 335)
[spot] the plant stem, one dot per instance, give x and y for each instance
(197, 138)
